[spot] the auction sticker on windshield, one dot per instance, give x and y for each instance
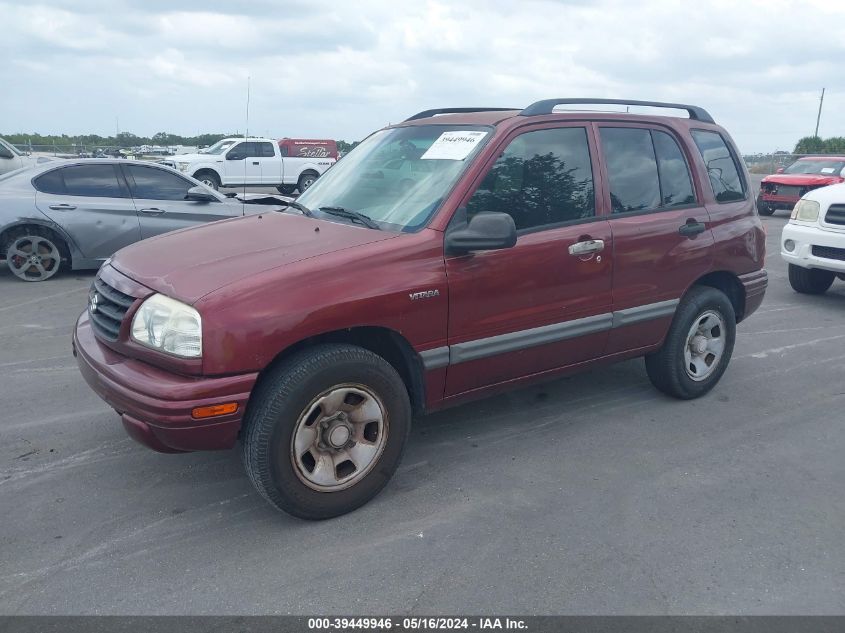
(454, 145)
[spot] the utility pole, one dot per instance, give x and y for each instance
(818, 118)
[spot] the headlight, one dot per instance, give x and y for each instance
(805, 211)
(181, 166)
(168, 325)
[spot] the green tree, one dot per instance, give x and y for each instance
(810, 145)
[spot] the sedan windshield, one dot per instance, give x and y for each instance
(397, 177)
(821, 167)
(219, 147)
(12, 149)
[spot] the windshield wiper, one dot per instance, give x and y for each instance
(299, 207)
(351, 215)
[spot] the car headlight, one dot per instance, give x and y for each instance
(181, 166)
(168, 325)
(805, 211)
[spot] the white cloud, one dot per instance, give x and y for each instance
(344, 69)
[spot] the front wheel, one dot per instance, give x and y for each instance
(697, 348)
(763, 207)
(209, 179)
(810, 281)
(325, 431)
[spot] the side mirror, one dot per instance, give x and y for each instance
(236, 154)
(200, 194)
(780, 170)
(484, 232)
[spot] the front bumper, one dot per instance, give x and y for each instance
(154, 404)
(779, 202)
(805, 237)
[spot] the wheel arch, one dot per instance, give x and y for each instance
(728, 283)
(205, 169)
(385, 342)
(66, 244)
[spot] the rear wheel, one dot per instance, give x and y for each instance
(325, 431)
(763, 207)
(286, 190)
(34, 255)
(306, 180)
(810, 281)
(209, 179)
(698, 346)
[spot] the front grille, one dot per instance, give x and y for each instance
(106, 308)
(835, 214)
(788, 190)
(828, 252)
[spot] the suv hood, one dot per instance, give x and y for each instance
(190, 263)
(802, 180)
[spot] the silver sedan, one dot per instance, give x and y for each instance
(77, 213)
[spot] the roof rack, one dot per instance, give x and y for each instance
(547, 105)
(427, 113)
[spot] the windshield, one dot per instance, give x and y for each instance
(219, 147)
(11, 147)
(821, 167)
(398, 177)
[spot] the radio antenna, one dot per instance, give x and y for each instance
(246, 132)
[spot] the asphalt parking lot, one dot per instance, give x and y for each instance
(592, 494)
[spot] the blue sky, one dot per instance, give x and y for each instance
(341, 70)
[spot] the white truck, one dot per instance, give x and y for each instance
(11, 158)
(235, 162)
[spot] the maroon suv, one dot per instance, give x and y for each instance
(457, 254)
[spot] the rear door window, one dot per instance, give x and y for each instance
(95, 181)
(631, 169)
(728, 185)
(646, 169)
(675, 180)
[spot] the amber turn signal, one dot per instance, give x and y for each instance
(214, 410)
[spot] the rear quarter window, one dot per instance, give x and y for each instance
(724, 174)
(51, 182)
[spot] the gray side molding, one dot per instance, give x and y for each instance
(435, 358)
(629, 316)
(481, 348)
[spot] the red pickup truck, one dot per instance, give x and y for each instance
(783, 189)
(514, 246)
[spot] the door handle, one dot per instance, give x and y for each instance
(255, 162)
(692, 228)
(586, 247)
(63, 207)
(152, 211)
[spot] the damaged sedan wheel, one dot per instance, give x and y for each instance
(33, 257)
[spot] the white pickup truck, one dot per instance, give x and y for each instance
(235, 162)
(11, 158)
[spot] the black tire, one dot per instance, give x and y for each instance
(666, 368)
(285, 394)
(306, 180)
(286, 190)
(209, 179)
(810, 281)
(44, 244)
(763, 208)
